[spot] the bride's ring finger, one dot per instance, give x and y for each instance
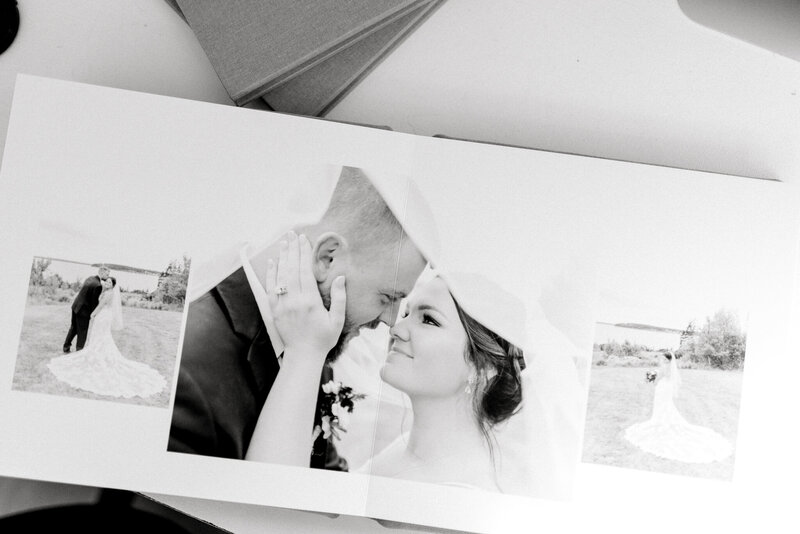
(280, 268)
(271, 284)
(292, 279)
(281, 290)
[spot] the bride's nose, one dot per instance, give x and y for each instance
(398, 331)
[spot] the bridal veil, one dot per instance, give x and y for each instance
(116, 308)
(539, 447)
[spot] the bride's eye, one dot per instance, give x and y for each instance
(427, 319)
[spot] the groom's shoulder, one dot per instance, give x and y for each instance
(210, 310)
(229, 304)
(206, 322)
(219, 322)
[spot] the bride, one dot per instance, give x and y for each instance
(100, 367)
(462, 379)
(667, 434)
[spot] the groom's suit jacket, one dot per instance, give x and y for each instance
(227, 369)
(86, 300)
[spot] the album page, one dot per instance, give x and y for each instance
(224, 304)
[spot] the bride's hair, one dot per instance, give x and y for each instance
(498, 363)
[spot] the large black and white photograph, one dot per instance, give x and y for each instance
(101, 330)
(361, 342)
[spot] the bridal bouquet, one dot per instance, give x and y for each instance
(335, 409)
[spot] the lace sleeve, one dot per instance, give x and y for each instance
(101, 302)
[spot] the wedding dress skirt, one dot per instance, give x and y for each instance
(668, 435)
(101, 368)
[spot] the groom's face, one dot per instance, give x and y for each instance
(375, 281)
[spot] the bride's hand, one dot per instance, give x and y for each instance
(308, 332)
(299, 314)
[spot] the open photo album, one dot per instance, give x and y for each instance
(218, 303)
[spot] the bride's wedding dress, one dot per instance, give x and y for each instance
(101, 368)
(460, 468)
(668, 435)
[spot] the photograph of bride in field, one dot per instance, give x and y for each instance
(666, 400)
(121, 325)
(670, 342)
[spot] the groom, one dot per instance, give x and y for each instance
(230, 358)
(82, 307)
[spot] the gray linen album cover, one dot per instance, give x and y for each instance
(317, 90)
(254, 47)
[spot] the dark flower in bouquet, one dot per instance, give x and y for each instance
(337, 405)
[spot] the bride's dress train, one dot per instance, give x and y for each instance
(101, 368)
(668, 435)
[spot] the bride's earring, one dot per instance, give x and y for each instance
(470, 384)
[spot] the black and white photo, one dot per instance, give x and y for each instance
(102, 331)
(304, 363)
(671, 344)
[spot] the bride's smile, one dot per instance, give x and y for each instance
(427, 350)
(394, 350)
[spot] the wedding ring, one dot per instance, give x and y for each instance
(281, 290)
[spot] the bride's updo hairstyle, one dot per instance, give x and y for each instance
(498, 363)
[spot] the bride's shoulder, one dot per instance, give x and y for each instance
(394, 462)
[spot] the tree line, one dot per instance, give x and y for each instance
(719, 343)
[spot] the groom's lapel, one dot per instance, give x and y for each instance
(240, 305)
(246, 321)
(263, 362)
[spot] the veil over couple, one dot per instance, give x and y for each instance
(258, 348)
(98, 365)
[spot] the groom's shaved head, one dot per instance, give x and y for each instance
(360, 238)
(357, 211)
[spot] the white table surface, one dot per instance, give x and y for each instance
(618, 79)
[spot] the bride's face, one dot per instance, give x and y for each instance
(426, 353)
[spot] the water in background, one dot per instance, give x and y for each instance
(653, 339)
(128, 281)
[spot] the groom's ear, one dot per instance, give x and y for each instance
(330, 255)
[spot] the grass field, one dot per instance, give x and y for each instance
(620, 397)
(149, 336)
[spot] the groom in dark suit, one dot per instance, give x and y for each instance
(230, 357)
(82, 307)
